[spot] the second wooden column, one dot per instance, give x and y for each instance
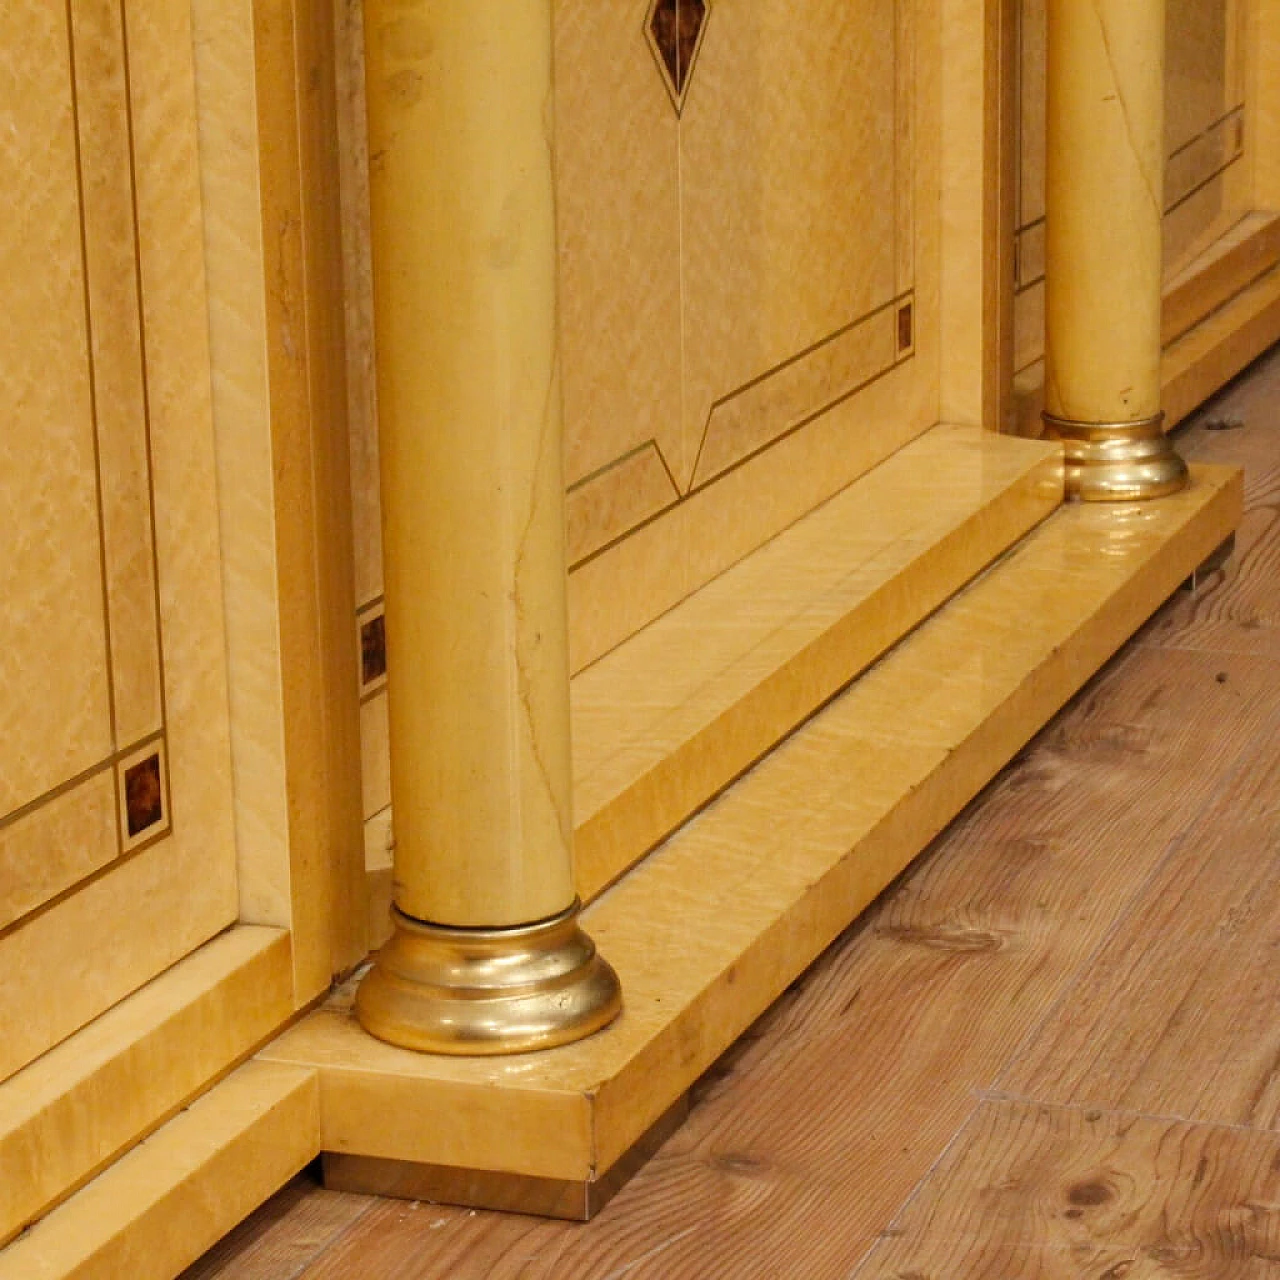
(1103, 256)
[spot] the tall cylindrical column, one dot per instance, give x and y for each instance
(487, 955)
(1103, 256)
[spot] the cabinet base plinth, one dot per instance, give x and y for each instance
(573, 1201)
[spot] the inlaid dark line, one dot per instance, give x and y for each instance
(108, 656)
(85, 775)
(146, 381)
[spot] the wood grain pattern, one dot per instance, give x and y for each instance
(205, 1168)
(134, 1066)
(1043, 1193)
(860, 1077)
(1238, 610)
(833, 1112)
(304, 1219)
(1176, 1013)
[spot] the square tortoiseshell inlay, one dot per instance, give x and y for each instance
(143, 795)
(373, 650)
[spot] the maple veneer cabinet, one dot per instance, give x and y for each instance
(193, 817)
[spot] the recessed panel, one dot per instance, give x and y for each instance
(748, 288)
(117, 854)
(1205, 145)
(788, 168)
(789, 262)
(55, 713)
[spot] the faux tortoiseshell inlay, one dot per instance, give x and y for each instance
(143, 795)
(674, 28)
(906, 328)
(373, 650)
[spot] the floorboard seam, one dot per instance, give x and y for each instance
(993, 1096)
(1124, 914)
(916, 1191)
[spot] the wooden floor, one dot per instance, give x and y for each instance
(1051, 1050)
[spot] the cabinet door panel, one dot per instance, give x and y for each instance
(117, 853)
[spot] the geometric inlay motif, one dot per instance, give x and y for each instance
(674, 29)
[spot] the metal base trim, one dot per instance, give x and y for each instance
(1117, 461)
(438, 989)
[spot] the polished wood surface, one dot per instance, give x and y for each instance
(668, 719)
(134, 1067)
(715, 924)
(219, 1156)
(914, 1104)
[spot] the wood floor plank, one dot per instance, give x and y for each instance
(1044, 1193)
(1177, 1014)
(814, 1130)
(860, 1078)
(277, 1241)
(1238, 609)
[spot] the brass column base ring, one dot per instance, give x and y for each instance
(487, 991)
(1118, 461)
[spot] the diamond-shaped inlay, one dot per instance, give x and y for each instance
(674, 29)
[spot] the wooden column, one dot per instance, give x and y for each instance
(1103, 270)
(487, 956)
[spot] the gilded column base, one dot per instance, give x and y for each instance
(1118, 461)
(488, 991)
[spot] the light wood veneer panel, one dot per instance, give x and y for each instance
(787, 140)
(82, 1103)
(675, 713)
(703, 257)
(618, 200)
(697, 965)
(55, 716)
(120, 407)
(162, 1205)
(56, 845)
(125, 926)
(275, 306)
